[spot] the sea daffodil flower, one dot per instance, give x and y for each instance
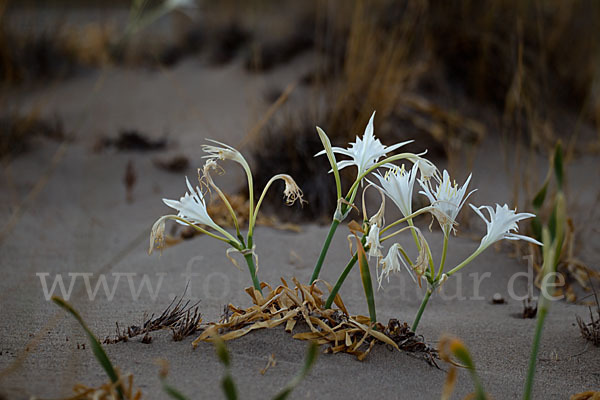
(398, 185)
(446, 200)
(192, 207)
(365, 152)
(501, 224)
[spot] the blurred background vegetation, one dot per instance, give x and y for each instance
(445, 73)
(523, 75)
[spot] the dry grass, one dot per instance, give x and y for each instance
(181, 318)
(591, 330)
(303, 305)
(18, 132)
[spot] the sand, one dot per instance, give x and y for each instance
(65, 211)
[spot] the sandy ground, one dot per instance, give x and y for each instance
(64, 210)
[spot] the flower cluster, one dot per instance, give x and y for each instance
(445, 197)
(192, 207)
(376, 165)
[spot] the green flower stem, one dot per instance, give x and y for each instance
(340, 281)
(252, 268)
(405, 219)
(541, 316)
(228, 238)
(443, 260)
(466, 261)
(229, 208)
(252, 220)
(250, 198)
(317, 270)
(406, 257)
(421, 309)
(414, 234)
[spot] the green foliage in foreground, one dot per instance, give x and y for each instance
(227, 382)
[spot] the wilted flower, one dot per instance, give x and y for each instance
(192, 207)
(157, 234)
(225, 152)
(420, 266)
(427, 169)
(391, 263)
(446, 200)
(373, 241)
(501, 223)
(364, 152)
(292, 191)
(398, 185)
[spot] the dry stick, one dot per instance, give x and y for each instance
(268, 115)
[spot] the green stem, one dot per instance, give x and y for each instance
(443, 260)
(421, 309)
(228, 238)
(414, 234)
(534, 353)
(465, 262)
(317, 270)
(252, 268)
(406, 219)
(340, 281)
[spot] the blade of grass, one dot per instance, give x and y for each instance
(453, 346)
(309, 360)
(558, 165)
(172, 392)
(99, 352)
(227, 384)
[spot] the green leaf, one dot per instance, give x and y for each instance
(560, 220)
(462, 354)
(309, 360)
(539, 198)
(172, 392)
(552, 223)
(331, 157)
(536, 227)
(229, 387)
(365, 275)
(97, 349)
(222, 352)
(558, 164)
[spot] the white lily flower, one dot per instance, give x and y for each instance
(373, 241)
(391, 263)
(192, 207)
(364, 152)
(501, 223)
(447, 200)
(398, 185)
